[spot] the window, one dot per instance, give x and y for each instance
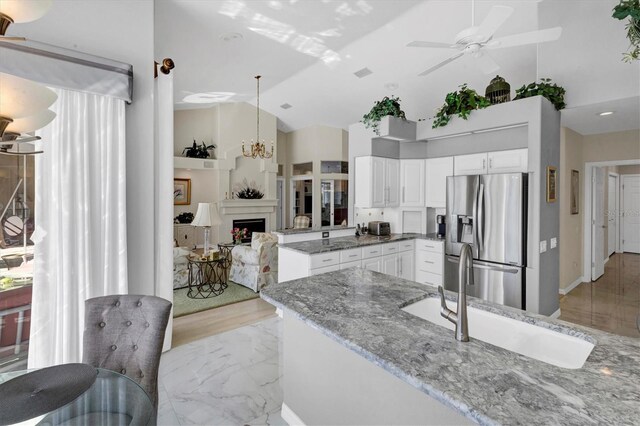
(302, 194)
(280, 170)
(16, 258)
(302, 169)
(334, 167)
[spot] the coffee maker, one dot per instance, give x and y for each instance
(442, 225)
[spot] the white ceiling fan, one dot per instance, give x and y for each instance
(475, 39)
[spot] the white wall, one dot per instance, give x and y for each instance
(123, 31)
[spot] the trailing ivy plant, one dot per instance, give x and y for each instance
(459, 103)
(630, 9)
(382, 108)
(551, 91)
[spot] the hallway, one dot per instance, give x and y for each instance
(612, 303)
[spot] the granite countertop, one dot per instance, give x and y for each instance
(291, 231)
(361, 310)
(344, 243)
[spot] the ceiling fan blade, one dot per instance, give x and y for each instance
(487, 64)
(431, 44)
(532, 37)
(494, 20)
(441, 64)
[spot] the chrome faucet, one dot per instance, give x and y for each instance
(465, 277)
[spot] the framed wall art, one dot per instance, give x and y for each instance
(575, 192)
(181, 192)
(552, 184)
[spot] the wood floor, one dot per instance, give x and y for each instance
(612, 303)
(214, 321)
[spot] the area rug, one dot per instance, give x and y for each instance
(183, 305)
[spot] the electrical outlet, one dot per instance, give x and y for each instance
(325, 234)
(553, 242)
(543, 246)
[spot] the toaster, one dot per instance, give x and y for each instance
(379, 228)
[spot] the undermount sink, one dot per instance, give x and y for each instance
(529, 340)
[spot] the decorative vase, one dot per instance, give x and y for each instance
(237, 241)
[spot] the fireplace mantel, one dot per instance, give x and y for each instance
(237, 205)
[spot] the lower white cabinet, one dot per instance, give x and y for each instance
(429, 257)
(405, 265)
(355, 263)
(325, 269)
(390, 265)
(373, 264)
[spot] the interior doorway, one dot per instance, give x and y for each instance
(613, 200)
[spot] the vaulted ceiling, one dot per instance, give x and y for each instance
(308, 51)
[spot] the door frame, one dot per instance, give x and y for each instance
(280, 180)
(586, 208)
(621, 197)
(616, 218)
(292, 195)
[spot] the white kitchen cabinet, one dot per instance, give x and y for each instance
(373, 264)
(429, 258)
(405, 265)
(436, 172)
(392, 174)
(390, 265)
(412, 183)
(510, 161)
(325, 269)
(377, 182)
(471, 164)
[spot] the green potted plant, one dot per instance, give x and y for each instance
(551, 91)
(630, 9)
(460, 103)
(387, 106)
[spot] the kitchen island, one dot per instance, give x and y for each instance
(353, 356)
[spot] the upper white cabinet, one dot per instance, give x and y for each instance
(377, 182)
(471, 164)
(412, 183)
(436, 172)
(510, 161)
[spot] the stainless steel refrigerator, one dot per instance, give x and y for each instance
(490, 213)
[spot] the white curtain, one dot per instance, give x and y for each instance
(164, 193)
(80, 236)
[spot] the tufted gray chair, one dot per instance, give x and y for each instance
(125, 333)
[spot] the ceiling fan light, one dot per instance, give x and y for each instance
(19, 11)
(31, 122)
(21, 98)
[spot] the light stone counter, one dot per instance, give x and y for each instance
(361, 311)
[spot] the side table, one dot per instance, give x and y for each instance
(207, 278)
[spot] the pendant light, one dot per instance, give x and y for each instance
(258, 148)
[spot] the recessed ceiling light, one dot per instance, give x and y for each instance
(602, 114)
(286, 106)
(208, 98)
(363, 72)
(231, 36)
(391, 86)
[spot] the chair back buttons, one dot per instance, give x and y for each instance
(135, 347)
(114, 347)
(102, 324)
(128, 323)
(123, 371)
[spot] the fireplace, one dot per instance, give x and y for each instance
(252, 225)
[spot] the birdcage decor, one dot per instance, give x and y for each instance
(498, 91)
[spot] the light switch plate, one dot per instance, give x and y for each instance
(543, 246)
(553, 242)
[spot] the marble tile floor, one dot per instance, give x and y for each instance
(232, 378)
(612, 303)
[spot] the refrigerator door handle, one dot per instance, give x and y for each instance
(475, 217)
(486, 267)
(480, 218)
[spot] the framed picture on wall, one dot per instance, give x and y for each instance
(181, 192)
(575, 191)
(552, 183)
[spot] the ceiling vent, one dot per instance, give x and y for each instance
(363, 72)
(286, 106)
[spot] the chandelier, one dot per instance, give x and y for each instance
(258, 148)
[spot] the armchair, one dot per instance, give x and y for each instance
(256, 266)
